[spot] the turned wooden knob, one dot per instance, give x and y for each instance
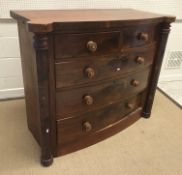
(140, 60)
(143, 36)
(88, 100)
(87, 126)
(130, 105)
(90, 72)
(92, 46)
(135, 83)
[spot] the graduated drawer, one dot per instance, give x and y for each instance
(102, 43)
(70, 130)
(87, 70)
(72, 102)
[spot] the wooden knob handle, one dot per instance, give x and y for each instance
(130, 105)
(87, 126)
(143, 36)
(90, 72)
(88, 100)
(92, 46)
(135, 83)
(140, 60)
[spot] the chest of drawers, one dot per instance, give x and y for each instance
(88, 74)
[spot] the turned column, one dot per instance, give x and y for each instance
(164, 31)
(41, 47)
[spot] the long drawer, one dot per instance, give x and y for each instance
(70, 130)
(72, 102)
(87, 70)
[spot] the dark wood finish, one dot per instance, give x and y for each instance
(52, 94)
(78, 20)
(101, 134)
(72, 102)
(70, 130)
(103, 43)
(41, 46)
(78, 44)
(88, 74)
(29, 75)
(133, 36)
(35, 66)
(164, 31)
(73, 72)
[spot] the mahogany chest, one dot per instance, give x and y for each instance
(88, 74)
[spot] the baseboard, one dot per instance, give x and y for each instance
(11, 93)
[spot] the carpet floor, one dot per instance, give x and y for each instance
(150, 146)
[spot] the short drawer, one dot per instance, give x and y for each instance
(139, 35)
(71, 102)
(70, 130)
(76, 72)
(88, 44)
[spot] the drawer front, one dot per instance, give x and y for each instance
(72, 102)
(70, 130)
(139, 35)
(76, 72)
(78, 45)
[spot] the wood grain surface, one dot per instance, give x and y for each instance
(88, 74)
(70, 103)
(72, 72)
(48, 20)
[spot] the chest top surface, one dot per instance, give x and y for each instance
(43, 20)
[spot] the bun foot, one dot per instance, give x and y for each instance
(46, 162)
(145, 115)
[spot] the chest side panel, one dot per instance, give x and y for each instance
(28, 61)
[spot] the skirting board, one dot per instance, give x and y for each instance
(11, 93)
